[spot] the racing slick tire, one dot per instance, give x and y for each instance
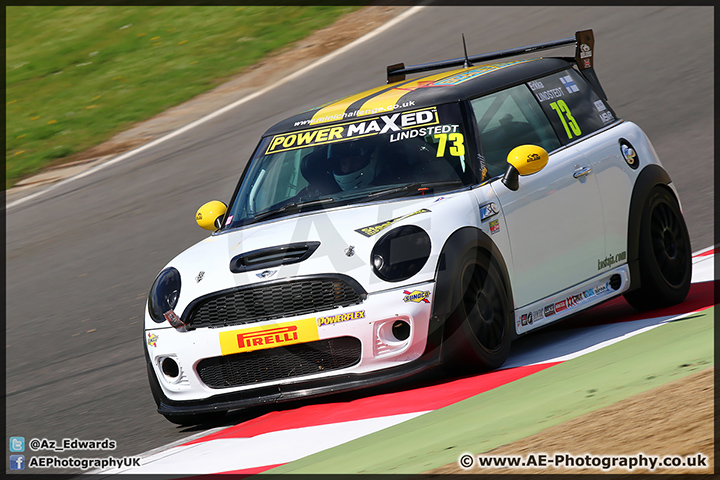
(479, 327)
(664, 253)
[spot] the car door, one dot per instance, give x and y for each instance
(554, 219)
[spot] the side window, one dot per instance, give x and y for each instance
(506, 120)
(573, 108)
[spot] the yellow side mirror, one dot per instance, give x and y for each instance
(528, 159)
(210, 215)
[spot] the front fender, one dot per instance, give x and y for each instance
(447, 298)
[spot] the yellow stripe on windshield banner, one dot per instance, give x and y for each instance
(386, 101)
(335, 110)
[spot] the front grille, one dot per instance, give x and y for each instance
(297, 360)
(274, 300)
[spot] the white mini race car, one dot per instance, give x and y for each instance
(426, 221)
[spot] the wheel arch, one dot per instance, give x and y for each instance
(448, 268)
(650, 177)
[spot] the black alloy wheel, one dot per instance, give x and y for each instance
(478, 332)
(665, 254)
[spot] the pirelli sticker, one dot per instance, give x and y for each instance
(379, 227)
(393, 122)
(269, 336)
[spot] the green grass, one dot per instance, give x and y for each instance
(75, 76)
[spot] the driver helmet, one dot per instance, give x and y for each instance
(353, 164)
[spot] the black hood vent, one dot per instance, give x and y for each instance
(273, 256)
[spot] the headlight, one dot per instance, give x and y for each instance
(163, 297)
(400, 253)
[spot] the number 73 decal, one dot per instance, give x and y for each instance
(571, 126)
(457, 148)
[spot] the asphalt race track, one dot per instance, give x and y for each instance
(81, 258)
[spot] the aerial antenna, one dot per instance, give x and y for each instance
(467, 63)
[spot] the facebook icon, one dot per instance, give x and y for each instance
(17, 462)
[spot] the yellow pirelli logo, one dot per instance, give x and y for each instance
(269, 336)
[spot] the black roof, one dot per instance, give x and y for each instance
(428, 90)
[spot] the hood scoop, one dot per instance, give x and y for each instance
(273, 256)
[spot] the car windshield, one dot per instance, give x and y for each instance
(360, 160)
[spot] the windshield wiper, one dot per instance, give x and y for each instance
(414, 186)
(292, 206)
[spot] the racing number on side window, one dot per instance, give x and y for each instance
(566, 118)
(457, 149)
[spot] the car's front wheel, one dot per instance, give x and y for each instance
(478, 330)
(664, 255)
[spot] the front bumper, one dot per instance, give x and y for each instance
(382, 358)
(297, 390)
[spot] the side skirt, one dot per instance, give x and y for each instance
(573, 300)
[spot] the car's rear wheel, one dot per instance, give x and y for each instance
(665, 257)
(478, 331)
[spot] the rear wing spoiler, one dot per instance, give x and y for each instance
(584, 42)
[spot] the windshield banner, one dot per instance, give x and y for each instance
(344, 131)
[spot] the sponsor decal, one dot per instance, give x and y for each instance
(629, 153)
(569, 85)
(586, 63)
(200, 276)
(611, 260)
(152, 339)
(416, 296)
(337, 133)
(269, 336)
(533, 157)
(573, 300)
(229, 220)
(379, 227)
(530, 317)
(590, 292)
(549, 310)
(494, 226)
(488, 210)
(332, 117)
(549, 94)
(342, 317)
(585, 51)
(422, 132)
(536, 85)
(599, 105)
(606, 117)
(560, 306)
(350, 251)
(601, 288)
